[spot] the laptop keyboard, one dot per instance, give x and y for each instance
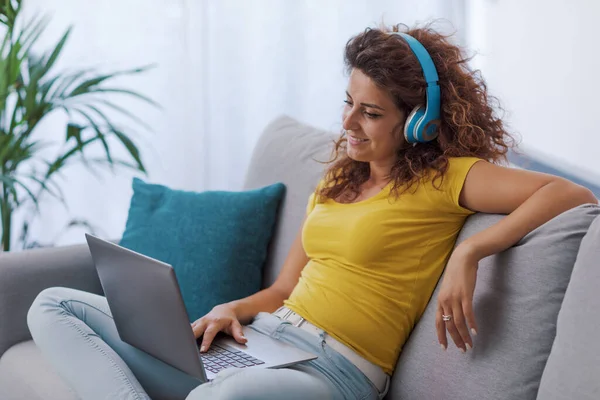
(218, 358)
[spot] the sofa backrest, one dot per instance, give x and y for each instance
(286, 152)
(518, 295)
(573, 368)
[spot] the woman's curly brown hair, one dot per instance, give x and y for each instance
(469, 125)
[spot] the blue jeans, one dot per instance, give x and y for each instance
(75, 331)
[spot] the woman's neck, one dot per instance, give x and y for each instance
(380, 174)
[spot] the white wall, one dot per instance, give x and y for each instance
(542, 59)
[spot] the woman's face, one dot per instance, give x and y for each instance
(372, 121)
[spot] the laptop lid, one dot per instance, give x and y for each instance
(146, 304)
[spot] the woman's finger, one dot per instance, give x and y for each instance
(209, 335)
(467, 307)
(198, 327)
(461, 325)
(454, 334)
(441, 328)
(237, 332)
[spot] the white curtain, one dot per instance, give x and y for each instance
(225, 68)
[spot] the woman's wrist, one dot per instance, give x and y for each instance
(246, 309)
(235, 306)
(468, 250)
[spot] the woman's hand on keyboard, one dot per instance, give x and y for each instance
(221, 318)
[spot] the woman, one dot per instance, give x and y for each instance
(418, 154)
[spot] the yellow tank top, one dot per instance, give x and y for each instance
(374, 264)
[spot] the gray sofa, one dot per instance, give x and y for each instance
(536, 304)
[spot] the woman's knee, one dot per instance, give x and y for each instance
(263, 384)
(45, 302)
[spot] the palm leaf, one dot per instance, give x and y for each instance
(5, 41)
(99, 133)
(129, 92)
(59, 162)
(49, 62)
(86, 86)
(127, 142)
(30, 34)
(67, 81)
(125, 112)
(81, 223)
(16, 110)
(9, 184)
(45, 187)
(74, 131)
(131, 148)
(5, 147)
(44, 89)
(102, 116)
(122, 163)
(8, 12)
(14, 151)
(12, 183)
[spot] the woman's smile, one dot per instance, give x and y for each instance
(355, 141)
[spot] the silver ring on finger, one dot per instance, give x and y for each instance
(446, 318)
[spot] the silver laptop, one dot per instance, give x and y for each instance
(149, 313)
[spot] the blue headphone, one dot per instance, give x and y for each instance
(421, 116)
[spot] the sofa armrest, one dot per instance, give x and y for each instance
(25, 274)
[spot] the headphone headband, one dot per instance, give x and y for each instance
(429, 71)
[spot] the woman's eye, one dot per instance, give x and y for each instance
(370, 115)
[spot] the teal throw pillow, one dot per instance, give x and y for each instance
(216, 241)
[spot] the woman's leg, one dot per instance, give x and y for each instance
(76, 333)
(294, 383)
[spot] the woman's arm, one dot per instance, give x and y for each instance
(530, 199)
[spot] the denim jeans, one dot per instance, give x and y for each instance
(76, 333)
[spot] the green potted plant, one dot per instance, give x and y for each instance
(31, 90)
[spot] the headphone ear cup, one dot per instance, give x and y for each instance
(410, 125)
(430, 131)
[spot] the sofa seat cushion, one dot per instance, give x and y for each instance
(518, 295)
(25, 374)
(573, 368)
